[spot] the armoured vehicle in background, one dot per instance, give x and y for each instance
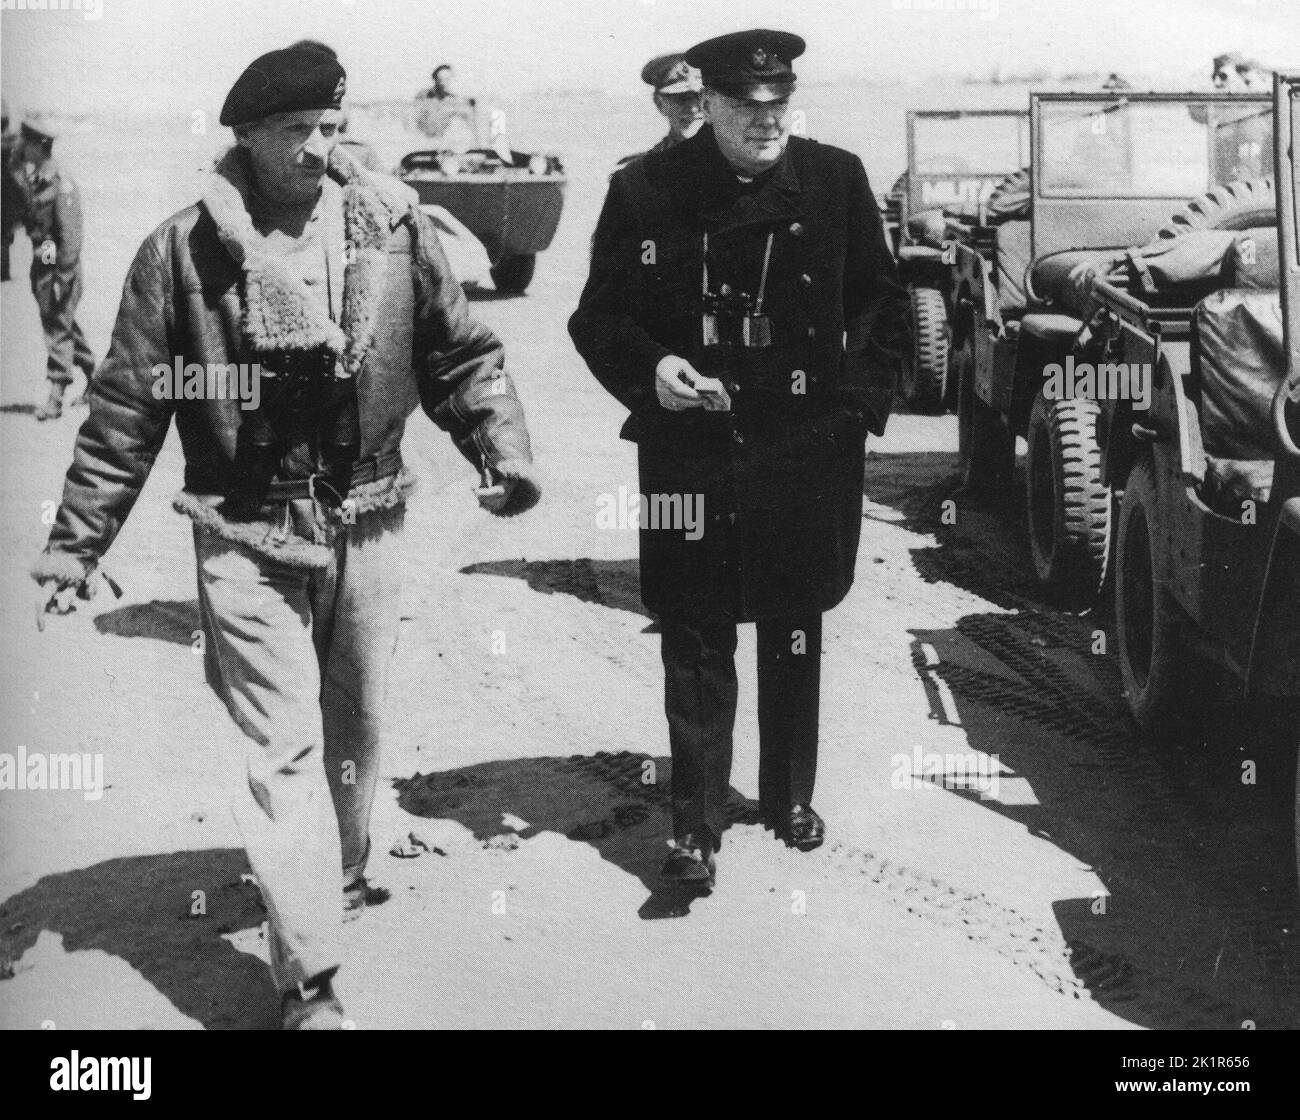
(955, 159)
(510, 201)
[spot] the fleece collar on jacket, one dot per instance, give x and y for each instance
(278, 312)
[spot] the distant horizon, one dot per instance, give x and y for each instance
(1140, 83)
(156, 57)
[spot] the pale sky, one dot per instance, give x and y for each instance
(159, 56)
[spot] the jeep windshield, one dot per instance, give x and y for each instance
(957, 158)
(969, 143)
(1151, 148)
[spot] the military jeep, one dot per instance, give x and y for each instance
(1107, 172)
(1207, 562)
(954, 161)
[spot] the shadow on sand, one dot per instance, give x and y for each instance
(1195, 924)
(617, 803)
(139, 908)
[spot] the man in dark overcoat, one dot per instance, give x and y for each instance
(743, 305)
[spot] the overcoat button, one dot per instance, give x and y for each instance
(739, 437)
(812, 332)
(796, 229)
(806, 280)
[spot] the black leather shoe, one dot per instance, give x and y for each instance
(804, 829)
(691, 861)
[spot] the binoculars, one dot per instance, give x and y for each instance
(732, 319)
(304, 398)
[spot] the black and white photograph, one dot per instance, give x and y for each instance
(649, 515)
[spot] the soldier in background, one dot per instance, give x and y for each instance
(443, 114)
(53, 220)
(1235, 73)
(677, 90)
(13, 205)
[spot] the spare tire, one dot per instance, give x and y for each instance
(1245, 204)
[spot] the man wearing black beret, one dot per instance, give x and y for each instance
(743, 306)
(316, 304)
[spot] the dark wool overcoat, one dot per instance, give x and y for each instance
(781, 474)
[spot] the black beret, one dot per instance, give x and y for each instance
(41, 133)
(749, 64)
(285, 81)
(671, 73)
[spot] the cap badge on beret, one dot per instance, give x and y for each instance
(341, 88)
(759, 58)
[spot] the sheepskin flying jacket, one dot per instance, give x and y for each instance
(202, 290)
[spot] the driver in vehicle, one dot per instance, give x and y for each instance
(444, 115)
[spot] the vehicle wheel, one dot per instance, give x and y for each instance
(929, 370)
(1067, 503)
(1245, 204)
(986, 449)
(514, 274)
(1164, 679)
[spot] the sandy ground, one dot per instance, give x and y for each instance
(1108, 884)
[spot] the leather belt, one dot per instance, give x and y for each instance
(371, 469)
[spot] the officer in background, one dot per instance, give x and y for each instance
(676, 86)
(744, 307)
(53, 221)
